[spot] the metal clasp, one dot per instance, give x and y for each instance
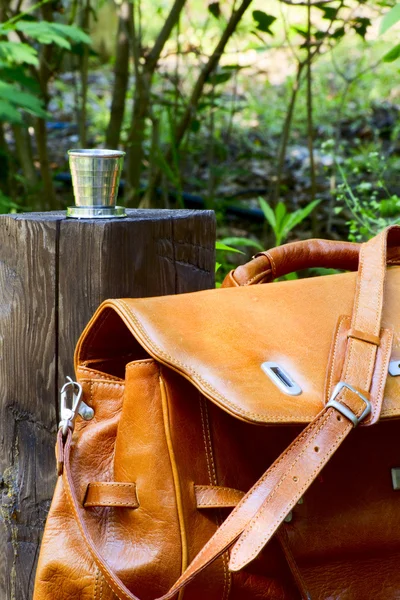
(344, 410)
(69, 413)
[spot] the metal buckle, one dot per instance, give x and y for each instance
(68, 414)
(344, 410)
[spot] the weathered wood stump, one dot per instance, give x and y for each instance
(54, 272)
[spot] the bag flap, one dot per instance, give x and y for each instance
(219, 339)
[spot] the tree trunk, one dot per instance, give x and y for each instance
(49, 201)
(44, 75)
(142, 104)
(121, 74)
(25, 155)
(84, 69)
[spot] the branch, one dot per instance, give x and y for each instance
(197, 91)
(209, 68)
(163, 36)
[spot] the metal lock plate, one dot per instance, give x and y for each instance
(394, 368)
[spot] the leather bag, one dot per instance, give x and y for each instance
(237, 443)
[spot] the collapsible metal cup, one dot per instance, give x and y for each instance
(95, 181)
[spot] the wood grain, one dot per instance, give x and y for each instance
(53, 274)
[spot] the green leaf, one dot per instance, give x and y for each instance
(263, 21)
(241, 241)
(11, 94)
(221, 77)
(17, 74)
(392, 55)
(302, 32)
(75, 34)
(53, 33)
(280, 213)
(391, 18)
(330, 13)
(268, 213)
(360, 25)
(215, 9)
(299, 215)
(221, 246)
(290, 276)
(18, 53)
(9, 113)
(338, 33)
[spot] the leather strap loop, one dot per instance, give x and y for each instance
(113, 493)
(364, 337)
(213, 496)
(123, 495)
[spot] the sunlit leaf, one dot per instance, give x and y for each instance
(73, 33)
(391, 18)
(242, 241)
(221, 246)
(268, 212)
(52, 33)
(301, 31)
(298, 216)
(18, 53)
(393, 54)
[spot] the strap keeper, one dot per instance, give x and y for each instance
(364, 337)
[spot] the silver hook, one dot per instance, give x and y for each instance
(68, 413)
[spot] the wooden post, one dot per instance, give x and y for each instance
(54, 272)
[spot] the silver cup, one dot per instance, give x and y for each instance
(95, 180)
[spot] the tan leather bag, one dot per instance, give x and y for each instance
(200, 474)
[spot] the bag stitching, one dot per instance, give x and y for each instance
(213, 480)
(336, 342)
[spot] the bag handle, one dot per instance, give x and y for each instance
(295, 256)
(261, 511)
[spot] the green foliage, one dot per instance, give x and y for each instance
(51, 33)
(223, 246)
(223, 267)
(7, 205)
(263, 21)
(393, 54)
(17, 90)
(12, 99)
(369, 202)
(17, 53)
(215, 9)
(391, 18)
(281, 221)
(240, 241)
